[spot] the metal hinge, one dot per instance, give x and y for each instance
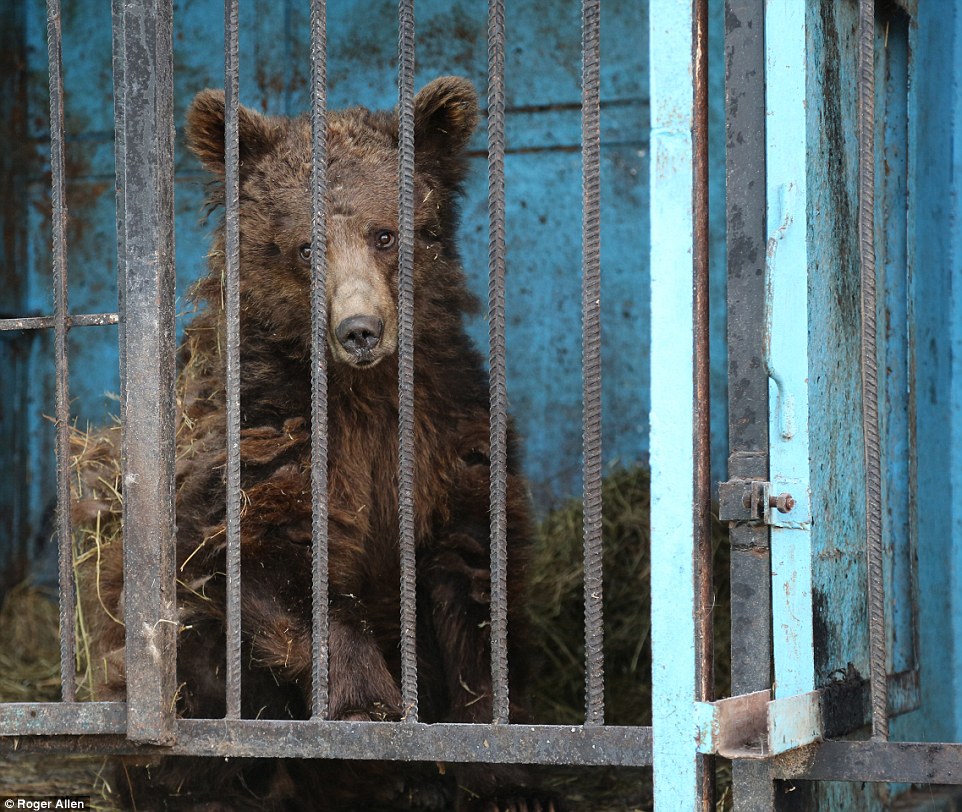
(756, 726)
(750, 500)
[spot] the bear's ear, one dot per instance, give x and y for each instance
(445, 115)
(205, 131)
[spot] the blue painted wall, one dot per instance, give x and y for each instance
(936, 123)
(918, 69)
(919, 252)
(543, 187)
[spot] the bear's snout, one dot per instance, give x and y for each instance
(359, 335)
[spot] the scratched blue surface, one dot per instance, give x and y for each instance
(919, 248)
(543, 188)
(838, 508)
(786, 357)
(919, 266)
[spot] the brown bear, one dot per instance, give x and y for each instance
(451, 415)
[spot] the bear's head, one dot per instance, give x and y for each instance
(362, 219)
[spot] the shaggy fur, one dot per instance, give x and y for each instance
(452, 464)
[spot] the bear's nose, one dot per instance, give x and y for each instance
(359, 334)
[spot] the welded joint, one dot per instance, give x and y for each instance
(754, 726)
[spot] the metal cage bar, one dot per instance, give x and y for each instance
(146, 722)
(751, 652)
(406, 458)
(701, 438)
(591, 358)
(319, 436)
(675, 40)
(252, 738)
(874, 550)
(68, 638)
(143, 43)
(497, 363)
(232, 318)
(120, 160)
(701, 387)
(787, 350)
(46, 322)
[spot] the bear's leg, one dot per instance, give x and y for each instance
(361, 687)
(360, 684)
(455, 580)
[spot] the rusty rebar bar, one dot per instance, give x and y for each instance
(319, 434)
(409, 674)
(232, 319)
(59, 266)
(874, 550)
(591, 359)
(497, 362)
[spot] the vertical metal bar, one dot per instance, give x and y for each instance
(702, 418)
(912, 336)
(701, 439)
(232, 316)
(751, 646)
(497, 363)
(893, 283)
(677, 765)
(409, 674)
(68, 641)
(143, 40)
(120, 160)
(591, 357)
(319, 682)
(874, 551)
(787, 357)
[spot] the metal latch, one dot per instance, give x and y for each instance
(755, 726)
(750, 500)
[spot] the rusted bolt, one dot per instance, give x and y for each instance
(783, 503)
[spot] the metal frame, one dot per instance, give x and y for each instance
(100, 727)
(751, 654)
(146, 722)
(680, 549)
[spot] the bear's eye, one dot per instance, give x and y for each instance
(385, 239)
(305, 252)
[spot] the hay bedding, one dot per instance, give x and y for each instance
(29, 643)
(30, 672)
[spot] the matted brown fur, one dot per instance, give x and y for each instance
(452, 468)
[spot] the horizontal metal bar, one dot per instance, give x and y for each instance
(47, 322)
(881, 761)
(497, 744)
(62, 718)
(532, 744)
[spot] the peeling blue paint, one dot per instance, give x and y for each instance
(787, 357)
(672, 392)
